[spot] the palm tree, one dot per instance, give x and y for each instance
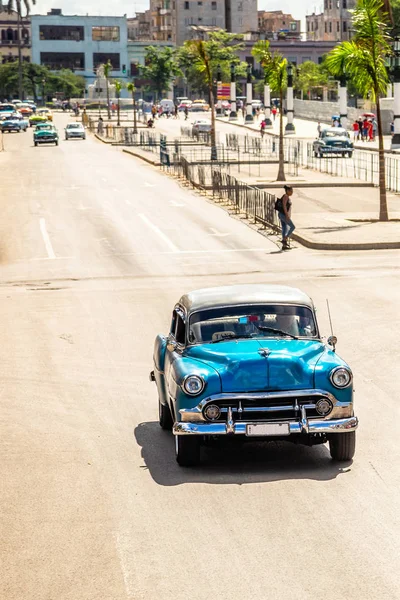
(107, 70)
(262, 53)
(132, 89)
(17, 6)
(364, 61)
(118, 88)
(202, 64)
(275, 75)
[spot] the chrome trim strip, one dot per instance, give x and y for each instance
(239, 428)
(230, 425)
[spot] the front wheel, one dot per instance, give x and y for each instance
(342, 446)
(56, 143)
(164, 416)
(36, 143)
(350, 155)
(187, 450)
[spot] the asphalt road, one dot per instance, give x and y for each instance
(95, 249)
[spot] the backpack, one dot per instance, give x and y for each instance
(279, 204)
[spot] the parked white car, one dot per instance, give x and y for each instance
(201, 126)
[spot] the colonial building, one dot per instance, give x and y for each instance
(332, 25)
(278, 25)
(14, 31)
(139, 26)
(178, 20)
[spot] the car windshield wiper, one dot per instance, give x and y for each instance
(278, 331)
(232, 337)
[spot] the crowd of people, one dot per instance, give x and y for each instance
(365, 129)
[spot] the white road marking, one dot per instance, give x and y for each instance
(128, 202)
(49, 248)
(149, 185)
(173, 203)
(158, 231)
(218, 233)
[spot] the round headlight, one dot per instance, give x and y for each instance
(193, 385)
(341, 377)
(323, 407)
(212, 412)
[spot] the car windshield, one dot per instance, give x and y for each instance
(275, 320)
(335, 133)
(44, 127)
(74, 126)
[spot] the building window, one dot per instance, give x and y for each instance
(316, 26)
(56, 61)
(337, 26)
(344, 3)
(213, 21)
(186, 5)
(200, 3)
(73, 33)
(293, 26)
(308, 25)
(101, 58)
(105, 34)
(326, 27)
(330, 26)
(213, 6)
(345, 26)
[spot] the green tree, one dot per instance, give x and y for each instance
(132, 89)
(223, 49)
(160, 68)
(310, 76)
(363, 60)
(118, 88)
(107, 71)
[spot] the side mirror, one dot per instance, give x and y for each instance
(332, 341)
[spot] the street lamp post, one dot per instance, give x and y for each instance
(289, 129)
(233, 113)
(249, 96)
(395, 68)
(343, 101)
(43, 98)
(219, 86)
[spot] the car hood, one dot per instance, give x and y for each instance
(261, 365)
(45, 132)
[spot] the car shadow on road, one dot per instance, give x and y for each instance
(231, 461)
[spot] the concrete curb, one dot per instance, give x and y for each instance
(312, 184)
(154, 163)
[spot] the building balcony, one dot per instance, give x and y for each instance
(165, 11)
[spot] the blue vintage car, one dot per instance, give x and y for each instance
(249, 361)
(333, 140)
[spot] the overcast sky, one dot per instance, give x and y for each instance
(298, 8)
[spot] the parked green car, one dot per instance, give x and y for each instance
(45, 133)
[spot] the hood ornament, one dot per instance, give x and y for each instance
(264, 352)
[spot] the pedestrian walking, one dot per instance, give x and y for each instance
(374, 128)
(100, 126)
(360, 128)
(365, 130)
(356, 130)
(284, 208)
(370, 131)
(274, 111)
(186, 111)
(262, 128)
(319, 129)
(176, 113)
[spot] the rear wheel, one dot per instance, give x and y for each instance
(342, 446)
(36, 143)
(164, 416)
(350, 155)
(187, 450)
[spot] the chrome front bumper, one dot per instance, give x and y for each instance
(304, 426)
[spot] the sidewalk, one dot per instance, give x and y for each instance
(330, 213)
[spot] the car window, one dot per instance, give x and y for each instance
(251, 321)
(180, 330)
(74, 126)
(335, 134)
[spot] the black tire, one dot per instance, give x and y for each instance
(164, 416)
(320, 155)
(342, 446)
(187, 450)
(56, 143)
(36, 143)
(316, 154)
(350, 155)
